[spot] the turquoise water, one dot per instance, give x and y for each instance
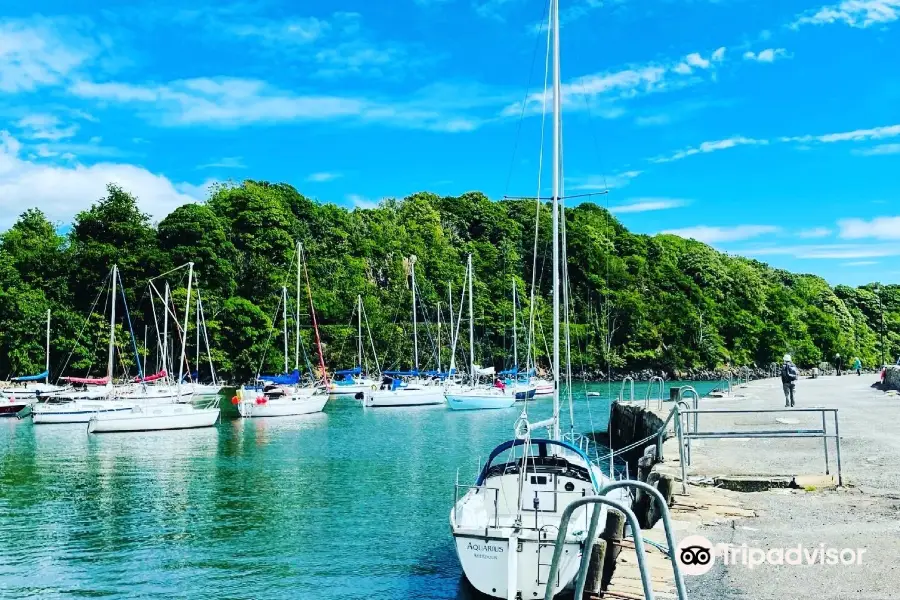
(351, 503)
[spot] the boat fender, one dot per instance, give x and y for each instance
(374, 387)
(260, 399)
(360, 395)
(235, 400)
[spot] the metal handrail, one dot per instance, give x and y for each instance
(662, 391)
(622, 391)
(770, 434)
(595, 518)
(681, 393)
(477, 487)
(667, 527)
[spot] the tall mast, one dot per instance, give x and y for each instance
(359, 329)
(112, 325)
(452, 336)
(165, 348)
(284, 326)
(145, 350)
(439, 336)
(515, 332)
(412, 267)
(297, 316)
(187, 314)
(557, 159)
(471, 327)
(212, 370)
(47, 354)
(197, 348)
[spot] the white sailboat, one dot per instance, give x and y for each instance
(349, 382)
(475, 396)
(26, 386)
(505, 525)
(149, 413)
(93, 394)
(284, 395)
(406, 388)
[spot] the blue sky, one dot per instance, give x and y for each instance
(768, 129)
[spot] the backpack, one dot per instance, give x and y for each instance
(789, 373)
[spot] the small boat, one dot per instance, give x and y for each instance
(156, 417)
(10, 405)
(479, 398)
(350, 382)
(593, 394)
(252, 403)
(212, 389)
(32, 385)
(403, 388)
(542, 387)
(74, 411)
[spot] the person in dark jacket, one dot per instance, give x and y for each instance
(789, 376)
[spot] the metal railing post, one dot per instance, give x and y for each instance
(680, 435)
(837, 445)
(825, 441)
(561, 541)
(667, 527)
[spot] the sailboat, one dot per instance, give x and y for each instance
(505, 525)
(157, 414)
(283, 395)
(91, 394)
(25, 389)
(204, 389)
(407, 388)
(478, 397)
(349, 382)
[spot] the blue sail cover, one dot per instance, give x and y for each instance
(353, 371)
(37, 377)
(286, 379)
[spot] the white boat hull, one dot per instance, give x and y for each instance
(352, 389)
(154, 418)
(301, 404)
(77, 411)
(155, 394)
(207, 390)
(480, 401)
(404, 396)
(33, 390)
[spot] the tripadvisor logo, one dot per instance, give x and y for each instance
(696, 555)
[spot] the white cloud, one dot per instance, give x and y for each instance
(713, 146)
(695, 60)
(323, 176)
(826, 251)
(358, 201)
(714, 235)
(718, 55)
(766, 56)
(39, 52)
(228, 162)
(857, 135)
(880, 228)
(233, 102)
(860, 263)
(815, 232)
(62, 191)
(601, 182)
(637, 205)
(879, 150)
(41, 126)
(296, 31)
(855, 13)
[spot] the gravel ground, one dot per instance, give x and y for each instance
(866, 514)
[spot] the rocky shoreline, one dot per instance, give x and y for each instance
(599, 375)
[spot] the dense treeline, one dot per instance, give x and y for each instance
(636, 302)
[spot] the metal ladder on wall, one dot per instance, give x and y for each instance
(543, 543)
(632, 522)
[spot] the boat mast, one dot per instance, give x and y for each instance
(471, 327)
(439, 336)
(112, 326)
(557, 158)
(212, 370)
(187, 314)
(452, 336)
(515, 332)
(297, 316)
(145, 350)
(412, 268)
(197, 349)
(165, 348)
(47, 360)
(284, 326)
(359, 329)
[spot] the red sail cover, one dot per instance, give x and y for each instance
(154, 377)
(88, 380)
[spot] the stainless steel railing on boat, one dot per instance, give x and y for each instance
(459, 486)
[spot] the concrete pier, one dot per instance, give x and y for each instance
(863, 514)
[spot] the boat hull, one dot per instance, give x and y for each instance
(473, 402)
(351, 389)
(10, 407)
(78, 411)
(282, 407)
(207, 390)
(153, 418)
(403, 397)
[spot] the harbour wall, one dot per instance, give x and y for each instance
(629, 423)
(892, 378)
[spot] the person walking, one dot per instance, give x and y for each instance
(857, 366)
(789, 376)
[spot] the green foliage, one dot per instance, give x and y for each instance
(636, 301)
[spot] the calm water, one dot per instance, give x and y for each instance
(351, 503)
